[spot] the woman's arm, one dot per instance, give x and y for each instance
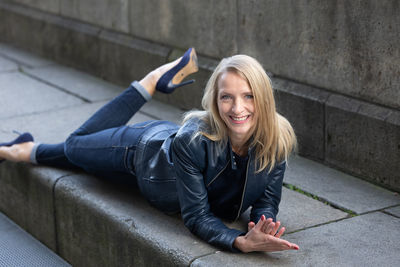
(189, 161)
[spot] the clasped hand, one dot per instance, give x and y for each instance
(264, 236)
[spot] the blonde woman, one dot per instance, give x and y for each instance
(220, 162)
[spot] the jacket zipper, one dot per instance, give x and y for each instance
(244, 188)
(217, 175)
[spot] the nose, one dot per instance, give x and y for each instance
(237, 107)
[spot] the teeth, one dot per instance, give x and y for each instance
(239, 118)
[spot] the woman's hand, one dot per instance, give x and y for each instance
(263, 236)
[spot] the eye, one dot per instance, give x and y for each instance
(225, 97)
(249, 96)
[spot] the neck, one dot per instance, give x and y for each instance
(239, 148)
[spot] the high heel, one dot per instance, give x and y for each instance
(172, 78)
(22, 138)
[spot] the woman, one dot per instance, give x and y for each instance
(219, 163)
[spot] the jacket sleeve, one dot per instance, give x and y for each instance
(189, 162)
(268, 203)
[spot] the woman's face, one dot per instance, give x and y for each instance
(236, 106)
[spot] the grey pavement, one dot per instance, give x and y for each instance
(348, 222)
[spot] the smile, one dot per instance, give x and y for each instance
(239, 119)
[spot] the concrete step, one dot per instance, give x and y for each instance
(18, 248)
(95, 222)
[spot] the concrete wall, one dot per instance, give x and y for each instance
(349, 47)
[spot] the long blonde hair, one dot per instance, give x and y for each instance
(272, 135)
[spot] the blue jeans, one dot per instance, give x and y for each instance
(103, 145)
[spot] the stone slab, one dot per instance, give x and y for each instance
(395, 211)
(162, 111)
(208, 25)
(297, 212)
(63, 122)
(7, 65)
(52, 6)
(349, 48)
(76, 82)
(304, 107)
(18, 248)
(21, 95)
(364, 139)
(105, 224)
(106, 13)
(26, 196)
(338, 188)
(23, 57)
(367, 240)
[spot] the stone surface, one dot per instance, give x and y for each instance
(338, 188)
(22, 57)
(304, 107)
(359, 136)
(26, 196)
(162, 111)
(349, 48)
(83, 85)
(7, 65)
(395, 211)
(18, 248)
(208, 25)
(20, 90)
(103, 224)
(52, 6)
(297, 212)
(367, 240)
(106, 13)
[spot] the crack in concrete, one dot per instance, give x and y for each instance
(202, 256)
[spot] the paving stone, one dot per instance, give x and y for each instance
(162, 111)
(104, 224)
(23, 57)
(26, 196)
(20, 95)
(63, 122)
(395, 211)
(7, 65)
(296, 212)
(46, 5)
(76, 82)
(338, 188)
(367, 240)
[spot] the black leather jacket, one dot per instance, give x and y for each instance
(174, 172)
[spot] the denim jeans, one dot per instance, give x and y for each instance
(103, 145)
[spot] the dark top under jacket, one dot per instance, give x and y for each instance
(177, 172)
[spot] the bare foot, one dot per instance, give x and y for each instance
(18, 152)
(149, 82)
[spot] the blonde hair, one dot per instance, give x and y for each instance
(272, 135)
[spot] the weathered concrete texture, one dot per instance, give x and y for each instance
(52, 6)
(208, 25)
(162, 111)
(22, 57)
(367, 240)
(7, 65)
(18, 248)
(17, 86)
(26, 196)
(106, 13)
(304, 107)
(102, 224)
(81, 84)
(340, 189)
(395, 211)
(347, 47)
(366, 145)
(296, 212)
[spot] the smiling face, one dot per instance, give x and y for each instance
(236, 106)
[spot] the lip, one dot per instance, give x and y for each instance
(239, 121)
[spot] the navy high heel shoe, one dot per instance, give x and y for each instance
(22, 138)
(172, 78)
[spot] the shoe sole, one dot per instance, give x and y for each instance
(190, 68)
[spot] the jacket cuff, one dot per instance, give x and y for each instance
(235, 233)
